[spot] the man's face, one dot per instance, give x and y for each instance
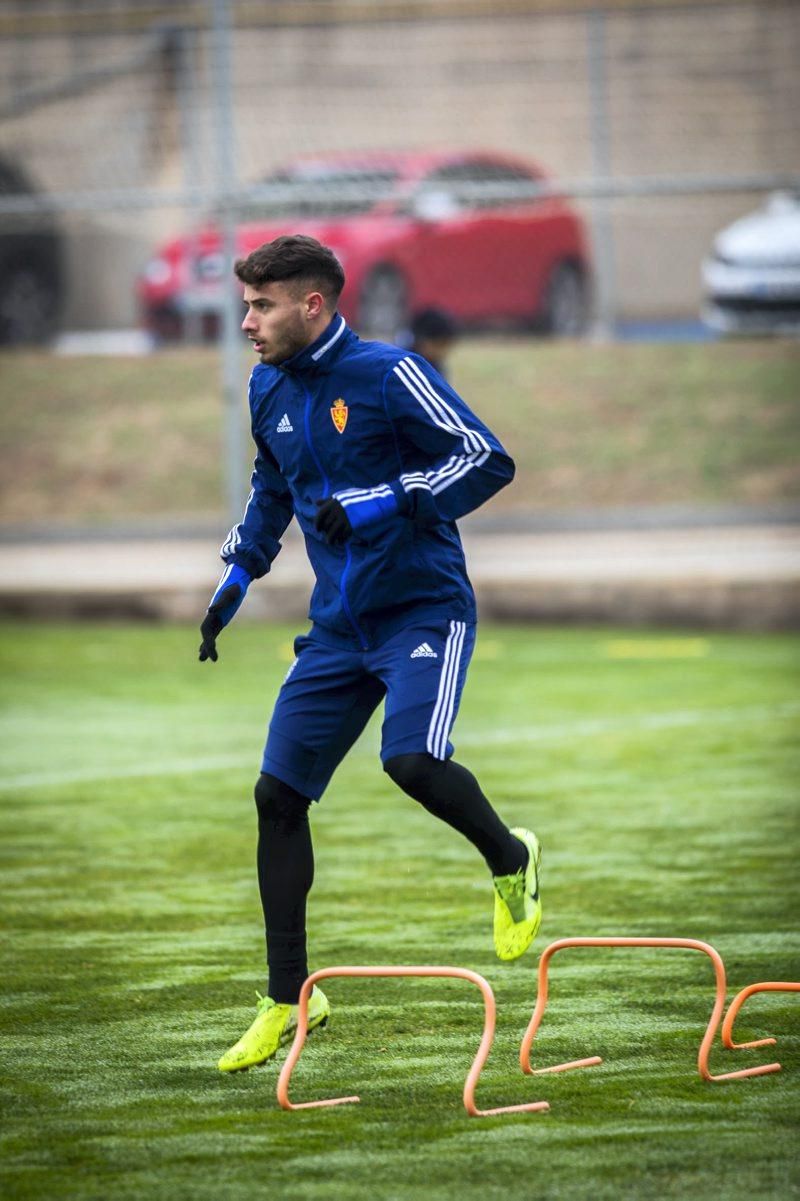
(281, 319)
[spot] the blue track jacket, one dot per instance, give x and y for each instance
(379, 429)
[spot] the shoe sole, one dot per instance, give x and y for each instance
(259, 1063)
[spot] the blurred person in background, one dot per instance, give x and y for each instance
(433, 334)
(376, 456)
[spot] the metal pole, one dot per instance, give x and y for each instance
(606, 300)
(230, 342)
(192, 167)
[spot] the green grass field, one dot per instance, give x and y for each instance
(660, 772)
(99, 440)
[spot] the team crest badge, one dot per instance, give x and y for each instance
(339, 412)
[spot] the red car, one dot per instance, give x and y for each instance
(470, 233)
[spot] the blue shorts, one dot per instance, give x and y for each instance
(330, 694)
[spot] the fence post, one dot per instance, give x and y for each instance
(226, 182)
(600, 139)
(193, 166)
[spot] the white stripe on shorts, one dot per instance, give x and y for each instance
(442, 719)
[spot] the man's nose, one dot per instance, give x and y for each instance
(248, 320)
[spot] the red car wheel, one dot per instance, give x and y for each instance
(566, 308)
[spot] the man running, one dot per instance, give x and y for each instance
(376, 456)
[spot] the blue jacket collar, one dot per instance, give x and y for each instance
(321, 353)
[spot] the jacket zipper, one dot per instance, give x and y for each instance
(326, 492)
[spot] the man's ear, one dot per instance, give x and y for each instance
(315, 303)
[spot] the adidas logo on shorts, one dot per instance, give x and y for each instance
(284, 425)
(423, 651)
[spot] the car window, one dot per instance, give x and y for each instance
(480, 184)
(319, 190)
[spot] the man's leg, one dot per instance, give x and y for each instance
(324, 704)
(451, 793)
(424, 669)
(285, 860)
(285, 873)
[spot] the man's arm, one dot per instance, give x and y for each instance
(250, 547)
(462, 463)
(255, 541)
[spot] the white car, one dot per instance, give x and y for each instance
(752, 276)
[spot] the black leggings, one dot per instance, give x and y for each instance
(286, 856)
(451, 793)
(285, 860)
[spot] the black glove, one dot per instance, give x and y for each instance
(332, 521)
(215, 620)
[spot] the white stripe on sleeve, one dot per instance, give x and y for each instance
(476, 448)
(234, 539)
(476, 439)
(353, 496)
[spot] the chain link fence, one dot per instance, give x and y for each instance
(124, 125)
(544, 164)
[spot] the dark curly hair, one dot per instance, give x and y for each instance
(295, 258)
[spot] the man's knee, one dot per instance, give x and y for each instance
(279, 803)
(414, 773)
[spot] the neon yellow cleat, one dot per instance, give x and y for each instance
(517, 907)
(274, 1026)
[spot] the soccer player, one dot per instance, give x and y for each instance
(376, 456)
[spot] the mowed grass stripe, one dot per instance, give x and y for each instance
(664, 791)
(514, 735)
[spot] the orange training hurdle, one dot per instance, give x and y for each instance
(679, 943)
(737, 1003)
(482, 1055)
